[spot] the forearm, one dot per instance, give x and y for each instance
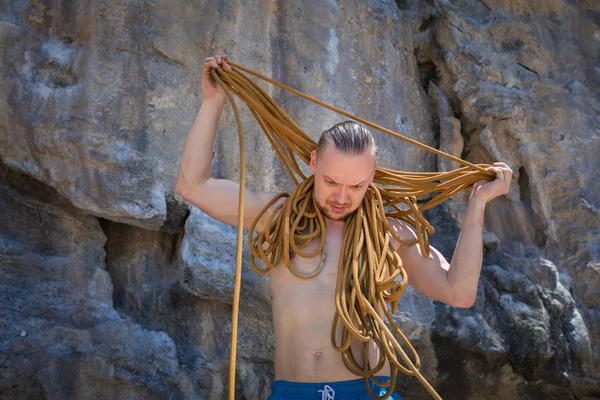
(465, 267)
(196, 158)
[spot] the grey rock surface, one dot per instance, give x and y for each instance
(113, 287)
(54, 287)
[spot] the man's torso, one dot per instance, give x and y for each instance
(303, 311)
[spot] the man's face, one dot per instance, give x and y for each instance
(341, 180)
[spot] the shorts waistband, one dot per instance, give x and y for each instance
(323, 389)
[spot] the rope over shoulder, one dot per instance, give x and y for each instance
(370, 273)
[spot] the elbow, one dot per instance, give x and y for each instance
(188, 188)
(180, 188)
(187, 191)
(183, 189)
(463, 300)
(468, 303)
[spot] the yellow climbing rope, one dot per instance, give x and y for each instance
(370, 272)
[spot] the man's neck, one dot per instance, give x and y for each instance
(334, 223)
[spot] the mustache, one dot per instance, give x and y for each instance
(339, 205)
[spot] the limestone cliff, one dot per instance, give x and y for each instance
(113, 287)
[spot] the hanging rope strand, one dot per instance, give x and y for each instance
(370, 272)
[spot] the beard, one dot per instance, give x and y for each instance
(332, 216)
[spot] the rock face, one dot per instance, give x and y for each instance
(524, 78)
(113, 287)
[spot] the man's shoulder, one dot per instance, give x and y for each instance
(269, 202)
(273, 199)
(401, 229)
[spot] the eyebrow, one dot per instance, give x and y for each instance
(333, 180)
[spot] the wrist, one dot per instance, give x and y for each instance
(477, 203)
(215, 102)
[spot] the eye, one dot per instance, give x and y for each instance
(329, 182)
(357, 186)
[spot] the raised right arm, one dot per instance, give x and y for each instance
(216, 197)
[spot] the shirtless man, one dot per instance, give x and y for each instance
(343, 165)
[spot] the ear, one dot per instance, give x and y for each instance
(313, 162)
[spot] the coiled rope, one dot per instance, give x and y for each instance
(370, 273)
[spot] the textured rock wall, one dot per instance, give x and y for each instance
(113, 287)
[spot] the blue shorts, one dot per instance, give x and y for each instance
(345, 390)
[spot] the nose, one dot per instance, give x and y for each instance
(341, 195)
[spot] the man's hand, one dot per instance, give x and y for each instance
(210, 88)
(486, 191)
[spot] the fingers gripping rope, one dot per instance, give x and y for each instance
(370, 272)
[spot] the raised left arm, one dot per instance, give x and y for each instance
(455, 283)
